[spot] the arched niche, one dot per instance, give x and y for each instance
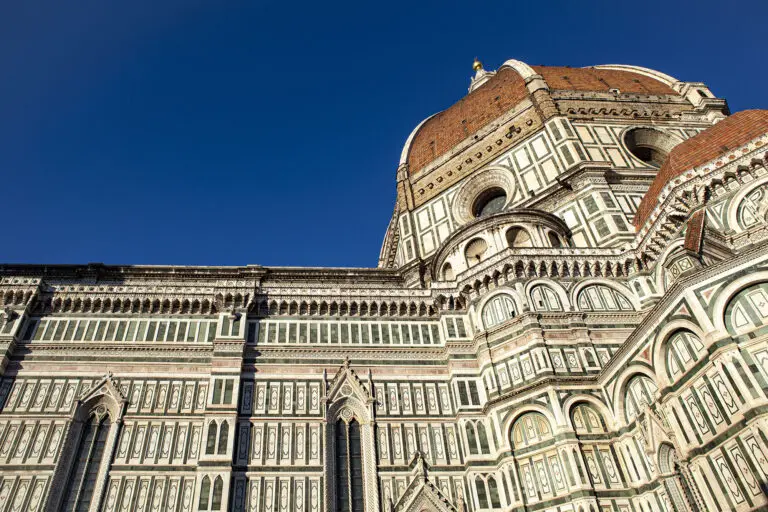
(475, 251)
(650, 145)
(518, 237)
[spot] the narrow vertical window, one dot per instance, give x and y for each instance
(342, 468)
(223, 438)
(482, 494)
(90, 451)
(210, 446)
(205, 492)
(356, 467)
(218, 488)
(228, 386)
(349, 468)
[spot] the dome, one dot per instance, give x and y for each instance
(438, 134)
(602, 79)
(441, 132)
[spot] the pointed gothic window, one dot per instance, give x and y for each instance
(90, 451)
(349, 467)
(218, 488)
(210, 446)
(205, 491)
(223, 438)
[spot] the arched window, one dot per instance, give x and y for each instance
(471, 439)
(599, 297)
(545, 299)
(349, 467)
(448, 274)
(205, 494)
(81, 480)
(586, 420)
(518, 237)
(475, 251)
(639, 392)
(223, 438)
(554, 240)
(683, 350)
(210, 446)
(530, 428)
(748, 310)
(482, 495)
(577, 458)
(218, 488)
(497, 310)
(493, 491)
(482, 438)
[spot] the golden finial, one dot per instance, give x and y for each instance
(477, 65)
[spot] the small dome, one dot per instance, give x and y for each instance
(730, 133)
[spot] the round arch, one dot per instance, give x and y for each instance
(624, 291)
(658, 271)
(508, 421)
(574, 400)
(511, 292)
(621, 387)
(554, 286)
(660, 341)
(731, 216)
(468, 193)
(728, 293)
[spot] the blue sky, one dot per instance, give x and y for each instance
(231, 133)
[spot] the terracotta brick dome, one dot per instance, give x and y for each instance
(601, 80)
(443, 131)
(440, 133)
(726, 135)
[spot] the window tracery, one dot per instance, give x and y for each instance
(497, 310)
(545, 299)
(683, 351)
(640, 391)
(748, 310)
(599, 297)
(88, 457)
(349, 467)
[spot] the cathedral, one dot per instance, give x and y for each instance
(569, 314)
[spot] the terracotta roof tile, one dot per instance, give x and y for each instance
(729, 133)
(601, 80)
(695, 232)
(463, 119)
